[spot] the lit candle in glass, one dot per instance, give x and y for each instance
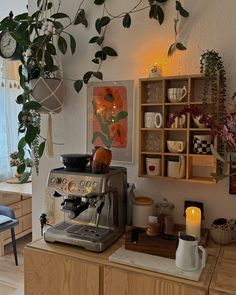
(193, 221)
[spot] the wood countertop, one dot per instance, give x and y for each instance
(19, 188)
(102, 258)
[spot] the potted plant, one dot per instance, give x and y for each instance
(21, 165)
(40, 36)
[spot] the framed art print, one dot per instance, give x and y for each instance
(110, 118)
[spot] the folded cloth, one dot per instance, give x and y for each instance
(4, 219)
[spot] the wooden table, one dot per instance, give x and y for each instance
(18, 197)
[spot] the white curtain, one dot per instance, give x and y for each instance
(9, 90)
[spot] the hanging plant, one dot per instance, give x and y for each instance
(41, 35)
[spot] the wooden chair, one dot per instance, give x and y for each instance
(9, 212)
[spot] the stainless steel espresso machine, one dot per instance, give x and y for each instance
(94, 207)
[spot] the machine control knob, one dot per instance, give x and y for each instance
(64, 180)
(95, 184)
(88, 183)
(52, 179)
(58, 180)
(82, 183)
(72, 187)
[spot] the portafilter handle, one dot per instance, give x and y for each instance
(77, 210)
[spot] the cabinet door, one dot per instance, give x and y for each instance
(49, 273)
(121, 282)
(164, 287)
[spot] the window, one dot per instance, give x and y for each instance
(9, 90)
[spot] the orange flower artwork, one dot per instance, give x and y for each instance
(110, 114)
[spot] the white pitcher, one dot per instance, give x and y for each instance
(188, 256)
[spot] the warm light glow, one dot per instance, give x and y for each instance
(193, 221)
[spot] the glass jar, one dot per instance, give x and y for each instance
(165, 216)
(164, 207)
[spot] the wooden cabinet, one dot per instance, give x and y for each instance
(153, 141)
(18, 197)
(55, 274)
(223, 281)
(58, 269)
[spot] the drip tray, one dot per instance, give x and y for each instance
(88, 232)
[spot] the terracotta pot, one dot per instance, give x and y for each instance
(101, 160)
(49, 93)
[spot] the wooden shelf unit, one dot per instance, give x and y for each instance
(199, 167)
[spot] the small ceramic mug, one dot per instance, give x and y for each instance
(153, 166)
(152, 120)
(202, 144)
(176, 146)
(176, 94)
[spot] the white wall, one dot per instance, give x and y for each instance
(16, 7)
(211, 25)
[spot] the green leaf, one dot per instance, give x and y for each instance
(126, 20)
(51, 48)
(87, 76)
(41, 148)
(31, 134)
(99, 2)
(181, 10)
(100, 40)
(101, 22)
(59, 15)
(101, 54)
(39, 2)
(109, 51)
(21, 168)
(93, 39)
(160, 14)
(98, 75)
(21, 154)
(81, 18)
(104, 21)
(72, 44)
(21, 17)
(171, 49)
(62, 44)
(32, 105)
(95, 60)
(78, 85)
(49, 61)
(21, 143)
(24, 178)
(20, 99)
(180, 46)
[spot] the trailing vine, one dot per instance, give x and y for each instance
(214, 91)
(42, 34)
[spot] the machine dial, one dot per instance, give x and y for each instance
(88, 183)
(52, 179)
(64, 180)
(72, 187)
(95, 184)
(82, 183)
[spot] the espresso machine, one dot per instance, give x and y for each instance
(94, 207)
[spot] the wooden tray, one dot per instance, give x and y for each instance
(158, 245)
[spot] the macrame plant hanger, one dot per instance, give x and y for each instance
(49, 92)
